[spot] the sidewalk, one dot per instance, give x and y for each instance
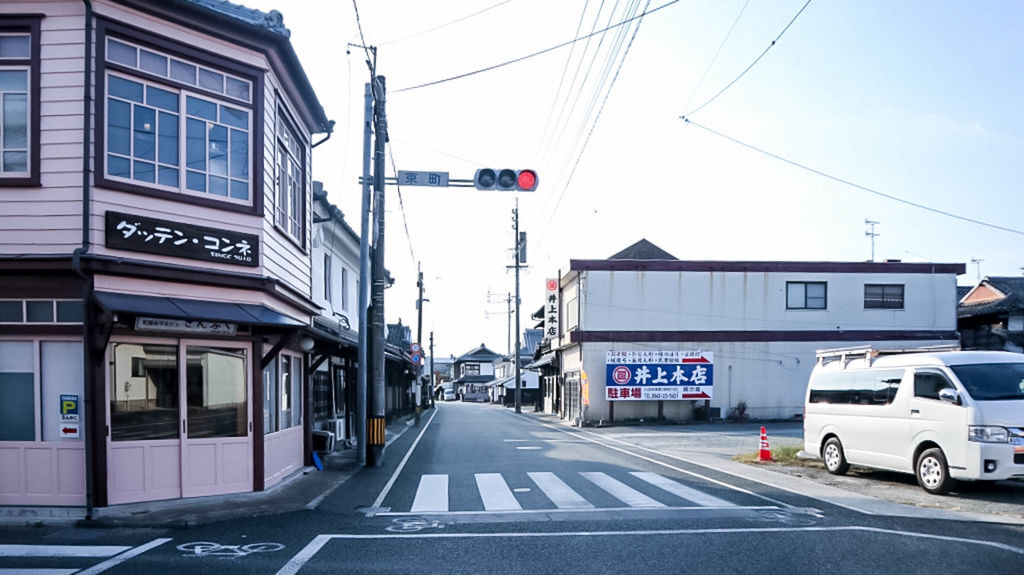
(303, 489)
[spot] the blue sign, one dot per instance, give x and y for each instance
(658, 375)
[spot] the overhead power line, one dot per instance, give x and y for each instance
(401, 205)
(442, 26)
(855, 185)
(752, 64)
(534, 54)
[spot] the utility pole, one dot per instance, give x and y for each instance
(871, 234)
(364, 285)
(519, 390)
(375, 442)
(419, 338)
(432, 369)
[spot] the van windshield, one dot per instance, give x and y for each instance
(992, 381)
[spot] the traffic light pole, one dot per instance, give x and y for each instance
(519, 391)
(376, 423)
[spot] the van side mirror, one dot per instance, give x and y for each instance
(949, 395)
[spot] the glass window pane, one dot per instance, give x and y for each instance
(168, 176)
(195, 148)
(12, 312)
(154, 63)
(15, 121)
(144, 131)
(70, 311)
(144, 403)
(168, 139)
(218, 401)
(218, 186)
(195, 181)
(118, 166)
(239, 190)
(15, 46)
(270, 398)
(201, 108)
(126, 89)
(795, 295)
(15, 162)
(815, 290)
(122, 53)
(13, 81)
(145, 171)
(237, 89)
(60, 374)
(239, 155)
(183, 72)
(39, 311)
(286, 391)
(119, 116)
(211, 80)
(162, 98)
(17, 387)
(218, 150)
(233, 117)
(296, 392)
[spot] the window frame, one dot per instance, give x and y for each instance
(882, 298)
(26, 24)
(284, 219)
(328, 290)
(108, 29)
(805, 306)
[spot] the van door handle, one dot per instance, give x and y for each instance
(915, 411)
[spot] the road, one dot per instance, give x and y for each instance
(479, 489)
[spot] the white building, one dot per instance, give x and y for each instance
(758, 322)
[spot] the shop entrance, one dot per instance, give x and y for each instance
(180, 419)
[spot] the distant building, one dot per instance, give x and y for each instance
(643, 325)
(473, 369)
(990, 315)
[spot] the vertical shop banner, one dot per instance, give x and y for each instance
(658, 375)
(551, 306)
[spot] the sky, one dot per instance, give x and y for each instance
(905, 113)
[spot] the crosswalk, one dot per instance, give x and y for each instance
(113, 555)
(583, 490)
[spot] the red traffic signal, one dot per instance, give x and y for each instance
(505, 180)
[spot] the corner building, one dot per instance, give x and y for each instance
(155, 200)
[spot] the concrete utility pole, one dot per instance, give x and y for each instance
(432, 369)
(375, 441)
(518, 239)
(419, 338)
(364, 285)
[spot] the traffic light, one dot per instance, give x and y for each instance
(505, 180)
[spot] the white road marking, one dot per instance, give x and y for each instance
(401, 466)
(559, 492)
(307, 553)
(117, 560)
(676, 488)
(432, 494)
(20, 571)
(61, 550)
(619, 490)
(495, 493)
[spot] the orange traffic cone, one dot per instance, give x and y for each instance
(765, 454)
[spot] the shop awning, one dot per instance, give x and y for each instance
(545, 359)
(196, 310)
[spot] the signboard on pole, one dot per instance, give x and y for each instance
(432, 179)
(551, 306)
(659, 375)
(69, 416)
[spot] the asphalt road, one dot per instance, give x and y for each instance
(479, 489)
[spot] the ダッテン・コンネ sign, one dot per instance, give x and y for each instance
(182, 240)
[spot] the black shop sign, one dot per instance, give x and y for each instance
(181, 240)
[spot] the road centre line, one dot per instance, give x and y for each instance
(394, 476)
(662, 463)
(307, 553)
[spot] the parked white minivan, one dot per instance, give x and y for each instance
(943, 416)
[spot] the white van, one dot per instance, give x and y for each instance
(943, 416)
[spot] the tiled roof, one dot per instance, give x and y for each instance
(272, 21)
(1012, 302)
(1007, 285)
(643, 250)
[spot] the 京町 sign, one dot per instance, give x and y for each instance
(658, 375)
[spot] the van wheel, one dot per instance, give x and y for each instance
(933, 472)
(835, 459)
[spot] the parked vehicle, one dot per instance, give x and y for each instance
(943, 416)
(448, 395)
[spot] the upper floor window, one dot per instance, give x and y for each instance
(327, 277)
(19, 101)
(173, 124)
(806, 295)
(883, 296)
(290, 181)
(344, 289)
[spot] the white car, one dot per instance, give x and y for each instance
(448, 395)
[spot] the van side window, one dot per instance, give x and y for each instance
(858, 387)
(928, 384)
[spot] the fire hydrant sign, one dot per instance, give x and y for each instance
(658, 375)
(69, 416)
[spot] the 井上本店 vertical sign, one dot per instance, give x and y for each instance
(658, 375)
(551, 308)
